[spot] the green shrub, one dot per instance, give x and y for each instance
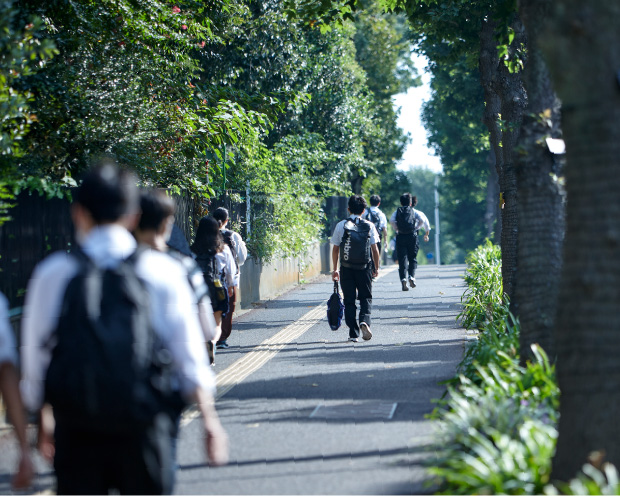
(497, 434)
(591, 480)
(496, 429)
(483, 299)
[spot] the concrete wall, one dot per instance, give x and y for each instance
(260, 281)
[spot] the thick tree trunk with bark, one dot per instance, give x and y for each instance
(540, 195)
(583, 53)
(492, 216)
(505, 100)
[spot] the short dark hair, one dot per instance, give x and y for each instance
(156, 207)
(375, 200)
(414, 201)
(357, 204)
(108, 192)
(220, 214)
(405, 199)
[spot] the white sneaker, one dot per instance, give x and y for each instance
(412, 282)
(404, 284)
(366, 334)
(354, 340)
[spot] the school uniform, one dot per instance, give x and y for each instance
(407, 243)
(90, 462)
(241, 252)
(355, 283)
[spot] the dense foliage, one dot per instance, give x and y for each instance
(205, 97)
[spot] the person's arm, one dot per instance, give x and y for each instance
(393, 221)
(374, 249)
(425, 225)
(216, 439)
(9, 387)
(229, 270)
(335, 253)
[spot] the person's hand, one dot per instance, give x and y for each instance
(375, 272)
(231, 291)
(45, 435)
(335, 276)
(25, 472)
(216, 443)
(426, 238)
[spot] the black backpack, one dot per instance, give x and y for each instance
(375, 219)
(335, 309)
(355, 245)
(405, 220)
(109, 370)
(208, 265)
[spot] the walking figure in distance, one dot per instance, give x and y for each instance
(218, 266)
(355, 242)
(377, 217)
(407, 221)
(107, 330)
(240, 254)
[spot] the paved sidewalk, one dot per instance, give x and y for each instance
(325, 416)
(308, 412)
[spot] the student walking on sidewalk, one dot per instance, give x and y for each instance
(406, 220)
(107, 331)
(355, 247)
(240, 254)
(377, 217)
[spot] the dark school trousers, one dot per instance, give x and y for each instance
(407, 251)
(227, 320)
(98, 463)
(356, 284)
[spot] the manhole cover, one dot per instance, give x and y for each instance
(356, 411)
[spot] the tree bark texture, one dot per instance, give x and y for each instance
(540, 195)
(582, 48)
(492, 216)
(505, 100)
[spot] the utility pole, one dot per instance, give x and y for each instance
(437, 231)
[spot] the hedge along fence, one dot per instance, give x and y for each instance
(40, 226)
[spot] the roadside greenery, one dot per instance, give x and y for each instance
(496, 430)
(202, 98)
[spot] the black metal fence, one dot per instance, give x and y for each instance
(38, 227)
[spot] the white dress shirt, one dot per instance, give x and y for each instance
(226, 265)
(241, 250)
(382, 218)
(339, 231)
(174, 313)
(8, 350)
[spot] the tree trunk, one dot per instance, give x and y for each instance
(492, 217)
(505, 100)
(540, 196)
(583, 56)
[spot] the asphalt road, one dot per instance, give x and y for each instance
(308, 412)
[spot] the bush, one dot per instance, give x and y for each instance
(496, 431)
(483, 301)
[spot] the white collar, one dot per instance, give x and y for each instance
(108, 244)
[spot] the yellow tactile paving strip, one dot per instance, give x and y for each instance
(259, 356)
